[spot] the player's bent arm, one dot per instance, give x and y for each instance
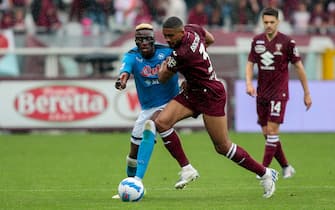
(303, 80)
(164, 74)
(209, 38)
(248, 79)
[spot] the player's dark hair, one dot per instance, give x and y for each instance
(173, 22)
(270, 11)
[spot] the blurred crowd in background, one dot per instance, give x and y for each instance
(98, 16)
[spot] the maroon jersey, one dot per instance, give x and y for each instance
(272, 58)
(205, 93)
(191, 59)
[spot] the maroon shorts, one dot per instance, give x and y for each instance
(204, 101)
(270, 110)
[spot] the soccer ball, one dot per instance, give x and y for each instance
(131, 189)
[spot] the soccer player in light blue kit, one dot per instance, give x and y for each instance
(143, 62)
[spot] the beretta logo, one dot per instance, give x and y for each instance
(60, 103)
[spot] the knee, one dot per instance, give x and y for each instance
(160, 125)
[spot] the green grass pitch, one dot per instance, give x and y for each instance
(82, 171)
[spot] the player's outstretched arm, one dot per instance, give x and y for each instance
(121, 82)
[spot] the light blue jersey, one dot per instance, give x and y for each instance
(150, 92)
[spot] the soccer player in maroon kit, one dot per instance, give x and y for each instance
(204, 94)
(272, 51)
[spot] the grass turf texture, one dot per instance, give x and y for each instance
(82, 171)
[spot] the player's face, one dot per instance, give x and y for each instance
(270, 24)
(145, 40)
(173, 36)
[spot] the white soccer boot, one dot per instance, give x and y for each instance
(288, 172)
(187, 175)
(268, 181)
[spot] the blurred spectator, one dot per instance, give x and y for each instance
(227, 13)
(331, 11)
(5, 5)
(7, 20)
(125, 13)
(77, 10)
(290, 6)
(143, 14)
(98, 11)
(197, 14)
(157, 9)
(300, 19)
(245, 14)
(215, 19)
(319, 19)
(20, 8)
(45, 16)
(176, 8)
(20, 24)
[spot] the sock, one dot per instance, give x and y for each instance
(145, 150)
(187, 167)
(242, 158)
(172, 144)
(131, 166)
(270, 149)
(280, 156)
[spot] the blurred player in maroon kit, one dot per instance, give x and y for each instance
(272, 51)
(203, 94)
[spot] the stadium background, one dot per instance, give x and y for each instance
(79, 42)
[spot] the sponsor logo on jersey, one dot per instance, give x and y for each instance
(60, 103)
(148, 71)
(259, 48)
(267, 60)
(260, 42)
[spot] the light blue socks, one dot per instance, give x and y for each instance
(146, 148)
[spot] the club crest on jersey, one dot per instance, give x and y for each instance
(260, 48)
(278, 49)
(161, 56)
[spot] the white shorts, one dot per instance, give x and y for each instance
(137, 133)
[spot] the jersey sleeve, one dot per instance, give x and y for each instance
(196, 28)
(251, 56)
(293, 52)
(127, 63)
